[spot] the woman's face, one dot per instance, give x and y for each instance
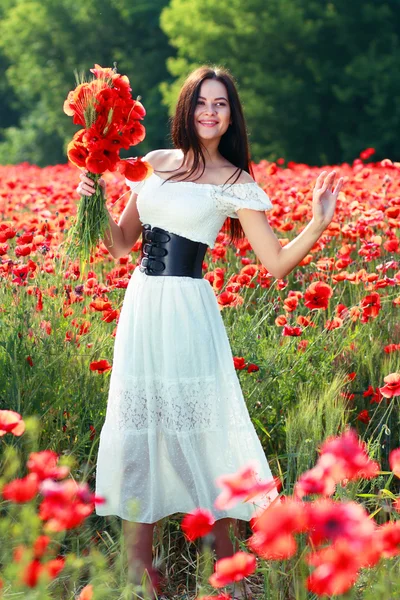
(212, 106)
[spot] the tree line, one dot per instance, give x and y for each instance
(318, 79)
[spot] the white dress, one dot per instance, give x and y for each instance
(176, 417)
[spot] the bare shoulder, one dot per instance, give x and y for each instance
(156, 157)
(245, 177)
(162, 159)
(168, 159)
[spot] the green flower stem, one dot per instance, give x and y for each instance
(89, 227)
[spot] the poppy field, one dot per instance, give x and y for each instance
(318, 358)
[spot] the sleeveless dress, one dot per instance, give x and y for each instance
(176, 417)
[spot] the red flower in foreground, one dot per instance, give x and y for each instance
(61, 516)
(11, 422)
(330, 520)
(337, 569)
(233, 568)
(274, 530)
(394, 461)
(341, 457)
(67, 491)
(86, 593)
(351, 456)
(44, 465)
(21, 490)
(197, 524)
(40, 545)
(244, 486)
(34, 570)
(66, 504)
(387, 538)
(318, 480)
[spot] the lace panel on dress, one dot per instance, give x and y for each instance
(240, 196)
(177, 405)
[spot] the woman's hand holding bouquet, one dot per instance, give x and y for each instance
(111, 121)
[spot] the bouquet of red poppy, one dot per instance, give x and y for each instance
(111, 120)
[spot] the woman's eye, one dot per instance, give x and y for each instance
(221, 103)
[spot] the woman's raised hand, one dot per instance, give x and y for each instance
(86, 185)
(324, 198)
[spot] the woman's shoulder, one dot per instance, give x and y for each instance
(162, 159)
(156, 157)
(245, 177)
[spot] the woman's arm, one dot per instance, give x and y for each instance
(278, 260)
(129, 222)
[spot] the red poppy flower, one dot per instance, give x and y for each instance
(364, 416)
(44, 465)
(274, 530)
(197, 524)
(135, 169)
(244, 485)
(233, 568)
(21, 490)
(330, 520)
(11, 422)
(317, 295)
(350, 455)
(77, 153)
(394, 461)
(337, 569)
(101, 366)
(392, 387)
(239, 362)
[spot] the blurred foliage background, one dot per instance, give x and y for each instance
(318, 79)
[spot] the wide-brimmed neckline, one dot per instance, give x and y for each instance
(205, 184)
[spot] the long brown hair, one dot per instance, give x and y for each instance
(234, 145)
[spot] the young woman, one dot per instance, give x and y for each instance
(176, 417)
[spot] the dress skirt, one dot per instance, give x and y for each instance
(176, 417)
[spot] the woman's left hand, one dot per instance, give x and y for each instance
(324, 200)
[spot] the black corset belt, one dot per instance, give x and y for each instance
(166, 253)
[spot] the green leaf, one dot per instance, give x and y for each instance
(261, 426)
